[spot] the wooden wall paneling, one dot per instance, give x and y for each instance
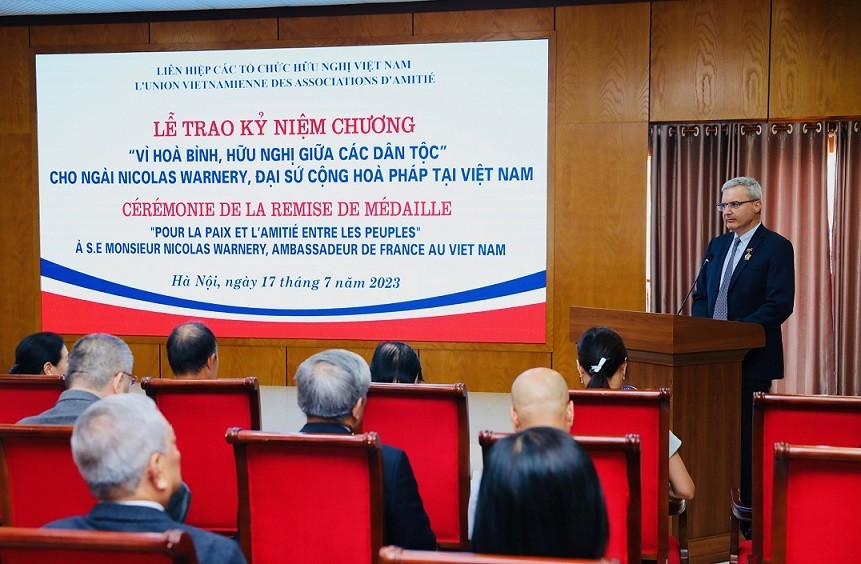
(146, 359)
(481, 371)
(373, 25)
(483, 21)
(267, 363)
(19, 264)
(297, 355)
(602, 70)
(709, 60)
(600, 255)
(89, 34)
(214, 31)
(16, 78)
(815, 59)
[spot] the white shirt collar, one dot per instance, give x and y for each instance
(141, 503)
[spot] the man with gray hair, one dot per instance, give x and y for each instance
(332, 391)
(192, 351)
(100, 365)
(126, 452)
(750, 277)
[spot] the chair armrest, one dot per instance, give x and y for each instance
(680, 507)
(739, 512)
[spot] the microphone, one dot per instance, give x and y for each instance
(706, 260)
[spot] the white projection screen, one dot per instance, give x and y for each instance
(362, 192)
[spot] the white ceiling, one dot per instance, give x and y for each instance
(48, 7)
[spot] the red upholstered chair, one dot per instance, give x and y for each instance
(795, 419)
(439, 453)
(43, 546)
(817, 516)
(21, 396)
(617, 461)
(201, 411)
(39, 481)
(309, 498)
(398, 555)
(647, 414)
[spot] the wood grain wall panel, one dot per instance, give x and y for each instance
(483, 21)
(709, 60)
(146, 359)
(815, 59)
(19, 264)
(481, 371)
(19, 260)
(297, 355)
(268, 363)
(374, 25)
(16, 75)
(89, 34)
(600, 253)
(602, 64)
(214, 31)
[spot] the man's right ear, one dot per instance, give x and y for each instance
(515, 423)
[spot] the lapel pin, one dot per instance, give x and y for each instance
(748, 252)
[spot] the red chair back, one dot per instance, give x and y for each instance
(22, 396)
(643, 413)
(438, 449)
(795, 419)
(44, 546)
(816, 511)
(201, 411)
(617, 462)
(398, 555)
(39, 481)
(309, 498)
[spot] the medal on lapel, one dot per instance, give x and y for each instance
(747, 253)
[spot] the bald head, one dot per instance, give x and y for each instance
(539, 398)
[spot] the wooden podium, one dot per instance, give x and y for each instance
(699, 359)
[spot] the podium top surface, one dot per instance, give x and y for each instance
(669, 334)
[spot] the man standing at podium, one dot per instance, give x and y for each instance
(750, 277)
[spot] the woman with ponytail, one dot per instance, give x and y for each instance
(602, 361)
(41, 353)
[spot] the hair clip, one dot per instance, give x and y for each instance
(597, 367)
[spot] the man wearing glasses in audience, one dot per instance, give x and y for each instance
(100, 365)
(750, 277)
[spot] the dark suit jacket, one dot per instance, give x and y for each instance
(762, 290)
(73, 403)
(105, 516)
(406, 523)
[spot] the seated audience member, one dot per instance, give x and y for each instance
(539, 398)
(396, 362)
(100, 365)
(602, 361)
(540, 496)
(41, 353)
(126, 451)
(332, 390)
(192, 351)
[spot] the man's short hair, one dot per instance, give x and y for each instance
(113, 441)
(754, 190)
(329, 383)
(95, 360)
(189, 347)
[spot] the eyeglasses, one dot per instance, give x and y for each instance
(732, 205)
(132, 378)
